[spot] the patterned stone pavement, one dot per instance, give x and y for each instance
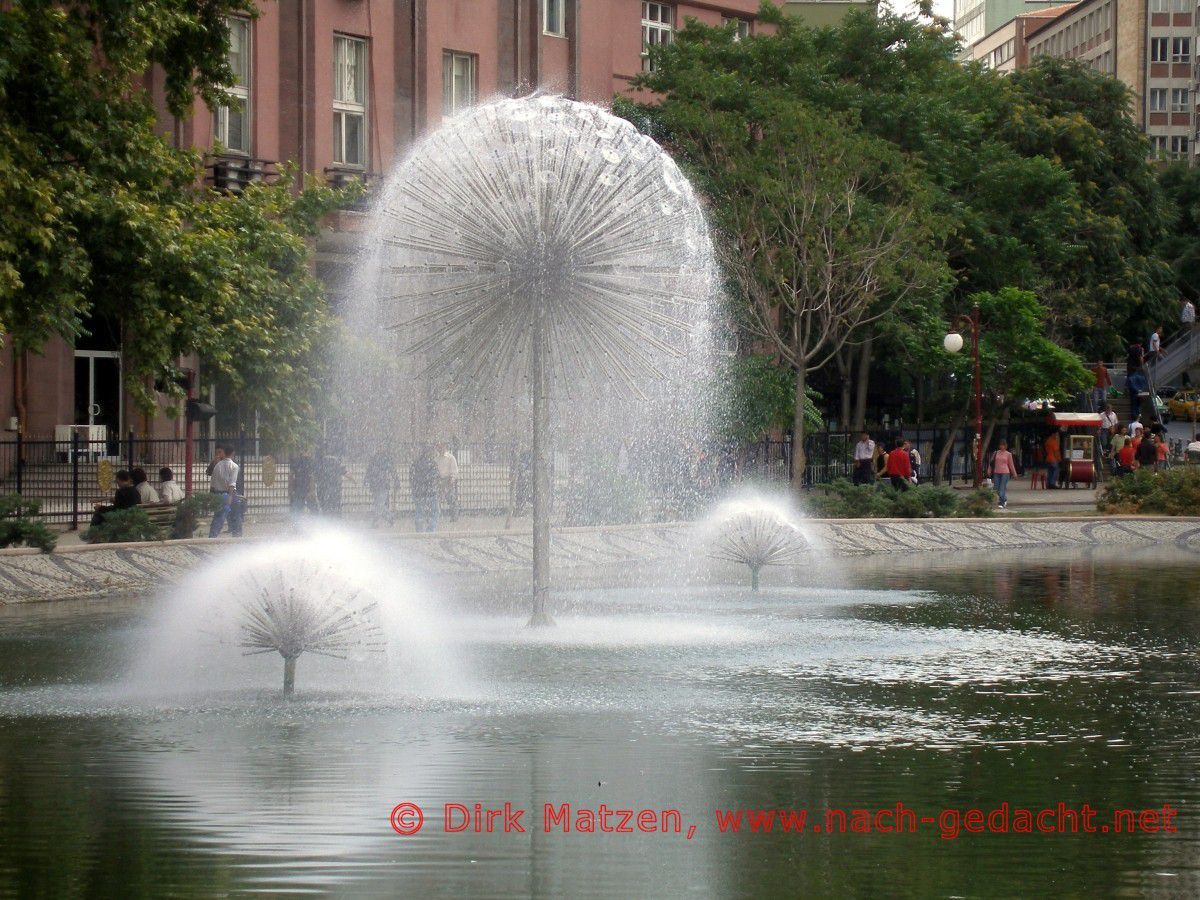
(88, 571)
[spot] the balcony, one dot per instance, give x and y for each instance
(233, 174)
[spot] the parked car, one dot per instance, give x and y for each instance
(1185, 405)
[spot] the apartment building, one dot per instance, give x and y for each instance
(1148, 44)
(1007, 48)
(975, 19)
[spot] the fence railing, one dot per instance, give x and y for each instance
(71, 476)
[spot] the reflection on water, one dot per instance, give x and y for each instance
(937, 681)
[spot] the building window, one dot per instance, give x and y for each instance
(1158, 49)
(1179, 146)
(657, 24)
(458, 81)
(1158, 146)
(743, 26)
(350, 102)
(1158, 99)
(554, 17)
(231, 124)
(1181, 49)
(1179, 99)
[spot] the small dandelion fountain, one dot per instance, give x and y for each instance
(756, 533)
(291, 620)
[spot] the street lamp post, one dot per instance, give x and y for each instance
(953, 342)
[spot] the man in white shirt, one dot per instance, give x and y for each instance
(1135, 426)
(1108, 425)
(864, 453)
(448, 477)
(223, 482)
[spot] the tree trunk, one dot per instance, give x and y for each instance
(860, 386)
(798, 459)
(956, 424)
(844, 364)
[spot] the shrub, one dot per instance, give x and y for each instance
(123, 525)
(605, 498)
(979, 504)
(18, 527)
(191, 510)
(843, 500)
(923, 501)
(1171, 492)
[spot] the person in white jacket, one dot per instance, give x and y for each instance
(169, 489)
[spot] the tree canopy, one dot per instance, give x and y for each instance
(105, 219)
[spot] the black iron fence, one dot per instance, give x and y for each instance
(70, 475)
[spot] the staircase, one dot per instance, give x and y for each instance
(1181, 354)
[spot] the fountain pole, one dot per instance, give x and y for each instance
(541, 473)
(289, 675)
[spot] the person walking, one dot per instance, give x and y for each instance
(169, 489)
(899, 466)
(1156, 348)
(1187, 316)
(864, 453)
(223, 482)
(1052, 454)
(1162, 450)
(448, 480)
(380, 476)
(1004, 467)
(1103, 381)
(423, 482)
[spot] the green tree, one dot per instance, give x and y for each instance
(759, 397)
(1180, 245)
(103, 218)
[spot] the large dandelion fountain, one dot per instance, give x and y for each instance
(541, 248)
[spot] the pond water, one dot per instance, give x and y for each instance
(935, 681)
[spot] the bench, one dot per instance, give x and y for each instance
(161, 514)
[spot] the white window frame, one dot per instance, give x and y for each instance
(452, 100)
(1158, 99)
(345, 108)
(658, 28)
(1158, 146)
(554, 10)
(1180, 98)
(1160, 49)
(743, 26)
(241, 91)
(1179, 146)
(1181, 49)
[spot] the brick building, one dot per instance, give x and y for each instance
(343, 87)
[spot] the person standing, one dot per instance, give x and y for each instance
(423, 481)
(1119, 440)
(448, 479)
(1147, 453)
(223, 482)
(1155, 345)
(169, 489)
(1004, 467)
(1138, 390)
(864, 452)
(1162, 451)
(899, 466)
(1108, 426)
(1103, 383)
(1052, 454)
(380, 476)
(1187, 316)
